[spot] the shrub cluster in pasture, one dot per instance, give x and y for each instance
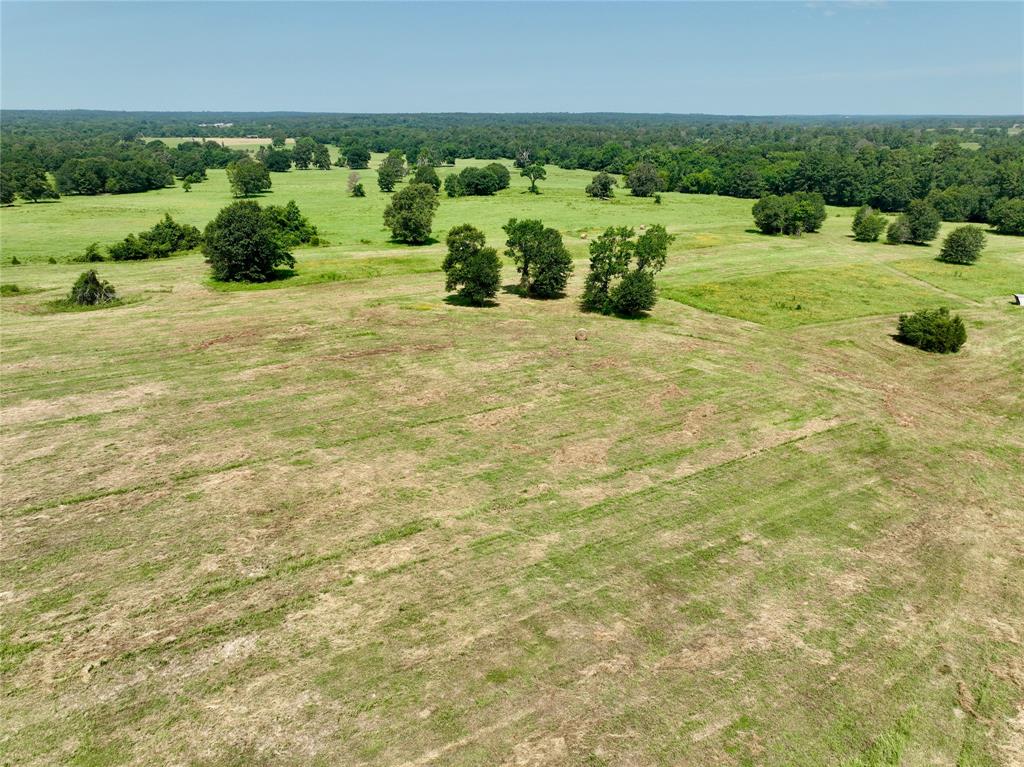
(90, 290)
(410, 213)
(166, 237)
(789, 214)
(920, 224)
(471, 269)
(243, 244)
(933, 330)
(602, 186)
(622, 269)
(248, 177)
(1007, 216)
(475, 181)
(542, 260)
(868, 224)
(963, 245)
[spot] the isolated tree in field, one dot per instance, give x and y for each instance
(353, 182)
(278, 138)
(321, 157)
(471, 268)
(522, 158)
(868, 225)
(302, 154)
(248, 177)
(410, 213)
(963, 245)
(1007, 216)
(933, 330)
(357, 157)
(390, 172)
(602, 186)
(90, 290)
(535, 172)
(543, 263)
(243, 244)
(644, 180)
(425, 174)
(33, 184)
(923, 221)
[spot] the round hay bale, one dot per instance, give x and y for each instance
(581, 335)
(583, 236)
(642, 227)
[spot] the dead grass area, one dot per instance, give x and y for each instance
(285, 531)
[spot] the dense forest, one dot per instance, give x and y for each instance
(962, 165)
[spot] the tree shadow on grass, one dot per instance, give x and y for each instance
(428, 241)
(515, 289)
(457, 300)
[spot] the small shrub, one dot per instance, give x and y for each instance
(657, 199)
(166, 237)
(963, 245)
(90, 290)
(358, 190)
(933, 330)
(51, 260)
(9, 289)
(898, 231)
(868, 225)
(15, 261)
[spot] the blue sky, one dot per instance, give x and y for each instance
(723, 58)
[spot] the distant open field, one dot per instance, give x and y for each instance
(341, 521)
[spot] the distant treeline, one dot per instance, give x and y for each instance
(963, 165)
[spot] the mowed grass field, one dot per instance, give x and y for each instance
(340, 521)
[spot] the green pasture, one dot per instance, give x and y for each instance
(341, 521)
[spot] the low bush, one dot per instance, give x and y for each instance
(868, 225)
(165, 238)
(933, 330)
(789, 214)
(90, 290)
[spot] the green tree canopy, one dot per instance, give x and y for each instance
(410, 214)
(963, 245)
(535, 172)
(243, 244)
(602, 186)
(248, 177)
(644, 180)
(471, 268)
(542, 260)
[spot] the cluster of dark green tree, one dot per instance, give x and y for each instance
(474, 181)
(964, 165)
(165, 238)
(622, 269)
(29, 183)
(473, 270)
(790, 213)
(932, 330)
